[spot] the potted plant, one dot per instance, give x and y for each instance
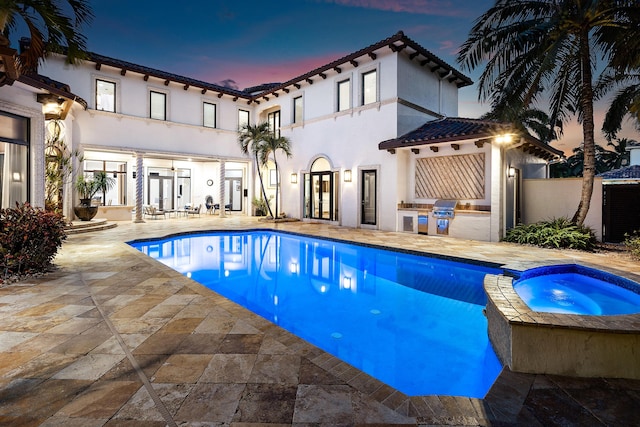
(87, 188)
(261, 206)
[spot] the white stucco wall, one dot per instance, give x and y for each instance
(545, 199)
(20, 100)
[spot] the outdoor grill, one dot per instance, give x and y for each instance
(443, 211)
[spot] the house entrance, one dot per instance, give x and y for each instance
(320, 190)
(369, 200)
(160, 191)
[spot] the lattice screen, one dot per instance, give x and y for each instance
(451, 177)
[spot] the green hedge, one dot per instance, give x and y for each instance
(29, 240)
(556, 233)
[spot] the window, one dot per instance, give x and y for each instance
(158, 106)
(14, 155)
(105, 96)
(273, 119)
(297, 109)
(117, 174)
(243, 118)
(344, 95)
(369, 87)
(209, 115)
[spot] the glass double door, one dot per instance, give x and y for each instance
(160, 191)
(322, 195)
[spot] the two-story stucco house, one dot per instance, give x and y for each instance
(375, 140)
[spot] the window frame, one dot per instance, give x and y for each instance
(274, 116)
(339, 86)
(215, 114)
(295, 119)
(240, 111)
(153, 92)
(115, 93)
(363, 76)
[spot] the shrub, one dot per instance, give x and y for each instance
(557, 233)
(633, 243)
(29, 239)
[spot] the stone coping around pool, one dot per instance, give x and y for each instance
(561, 344)
(488, 264)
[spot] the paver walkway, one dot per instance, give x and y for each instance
(114, 338)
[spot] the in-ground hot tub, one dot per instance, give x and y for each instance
(586, 345)
(575, 289)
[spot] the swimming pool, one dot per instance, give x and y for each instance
(413, 322)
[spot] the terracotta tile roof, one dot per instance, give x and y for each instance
(451, 129)
(52, 86)
(125, 66)
(629, 172)
(398, 43)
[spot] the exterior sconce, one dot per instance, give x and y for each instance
(294, 178)
(347, 175)
(511, 172)
(134, 174)
(504, 139)
(53, 106)
(16, 177)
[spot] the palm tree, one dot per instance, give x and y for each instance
(626, 102)
(536, 48)
(51, 28)
(619, 156)
(530, 121)
(250, 137)
(269, 147)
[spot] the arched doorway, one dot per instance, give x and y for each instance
(320, 191)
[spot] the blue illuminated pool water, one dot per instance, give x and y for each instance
(574, 289)
(413, 322)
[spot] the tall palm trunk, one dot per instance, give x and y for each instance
(589, 170)
(264, 192)
(277, 183)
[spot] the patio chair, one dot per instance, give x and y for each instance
(208, 203)
(216, 207)
(194, 211)
(154, 212)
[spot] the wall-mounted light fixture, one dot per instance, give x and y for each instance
(511, 172)
(54, 107)
(347, 175)
(504, 139)
(294, 178)
(17, 177)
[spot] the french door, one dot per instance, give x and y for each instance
(160, 191)
(369, 202)
(322, 195)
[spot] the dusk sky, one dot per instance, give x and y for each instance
(249, 42)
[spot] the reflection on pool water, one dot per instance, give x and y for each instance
(573, 289)
(413, 322)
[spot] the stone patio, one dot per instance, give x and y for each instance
(114, 338)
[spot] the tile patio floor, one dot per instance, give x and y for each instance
(114, 338)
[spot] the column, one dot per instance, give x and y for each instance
(222, 184)
(139, 188)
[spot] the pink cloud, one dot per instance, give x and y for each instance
(253, 71)
(423, 7)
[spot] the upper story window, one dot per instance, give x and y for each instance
(344, 95)
(243, 118)
(273, 119)
(209, 115)
(369, 87)
(297, 109)
(105, 96)
(158, 105)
